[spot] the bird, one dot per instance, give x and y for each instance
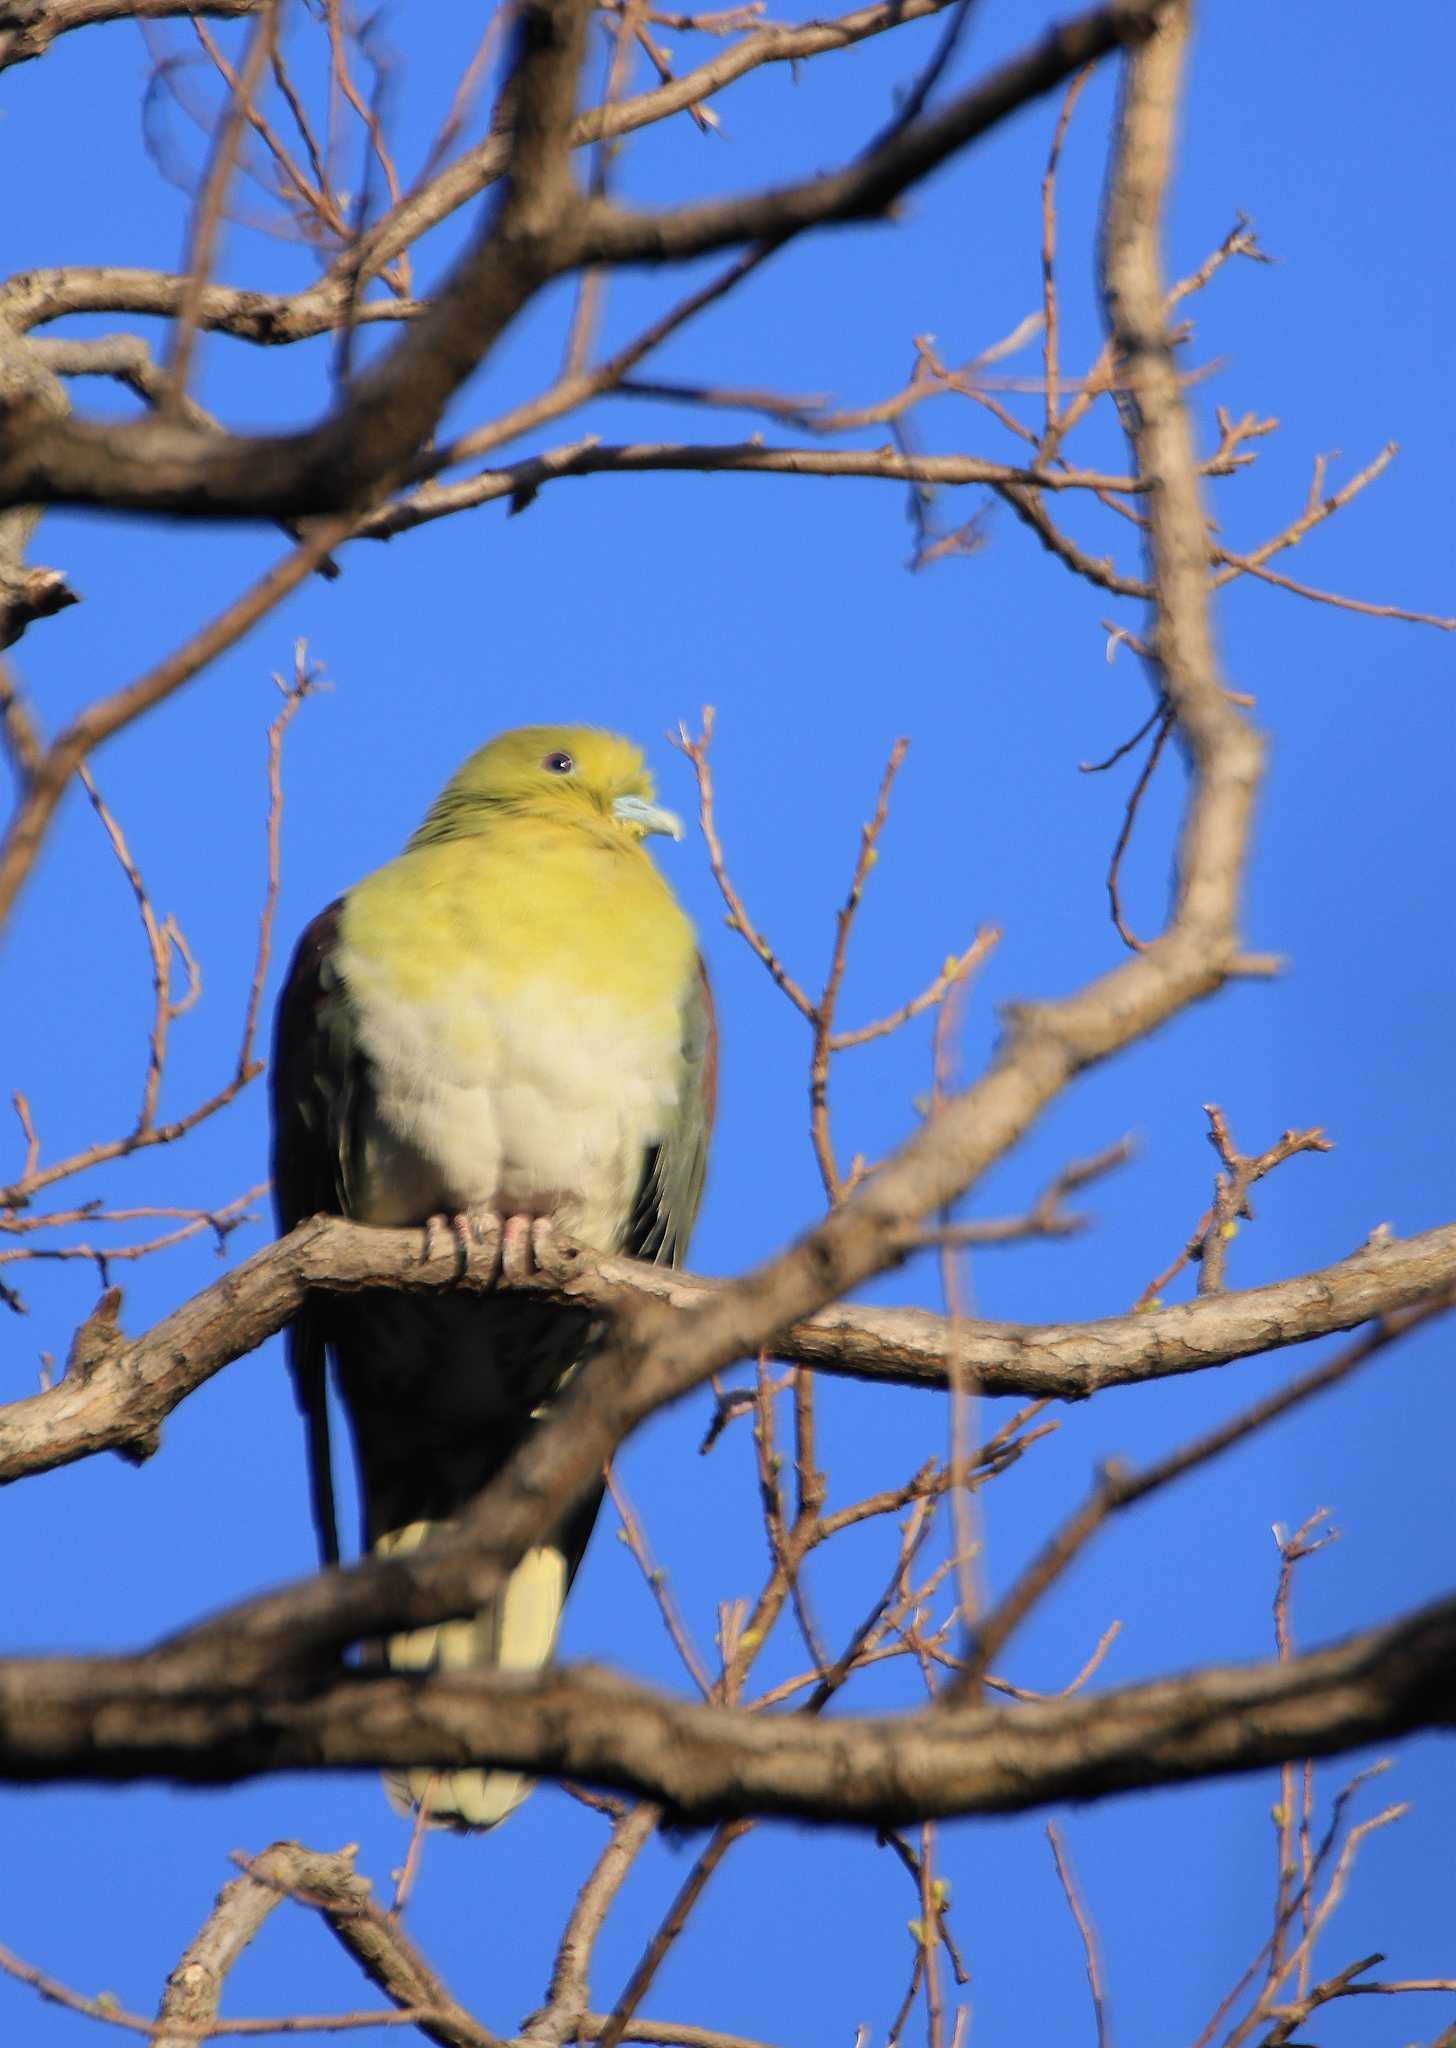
(509, 1027)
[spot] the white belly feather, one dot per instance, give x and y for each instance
(542, 1102)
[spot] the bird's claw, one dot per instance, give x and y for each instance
(483, 1228)
(518, 1247)
(526, 1248)
(468, 1233)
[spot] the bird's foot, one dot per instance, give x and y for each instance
(525, 1250)
(468, 1233)
(518, 1247)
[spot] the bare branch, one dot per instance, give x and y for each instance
(29, 27)
(161, 939)
(1209, 1240)
(631, 1832)
(520, 481)
(188, 2012)
(27, 593)
(689, 1892)
(120, 1719)
(122, 1390)
(771, 43)
(270, 318)
(194, 1988)
(1084, 1929)
(540, 231)
(868, 188)
(696, 751)
(1047, 1217)
(101, 720)
(1118, 1488)
(385, 1954)
(394, 407)
(211, 199)
(19, 734)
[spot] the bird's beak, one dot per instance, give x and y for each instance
(635, 810)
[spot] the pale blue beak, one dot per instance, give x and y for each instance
(635, 810)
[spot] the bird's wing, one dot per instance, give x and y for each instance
(672, 1172)
(316, 1073)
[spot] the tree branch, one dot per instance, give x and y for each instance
(479, 168)
(394, 407)
(541, 230)
(32, 297)
(106, 716)
(194, 1988)
(385, 1954)
(868, 188)
(121, 1719)
(520, 481)
(29, 27)
(118, 1391)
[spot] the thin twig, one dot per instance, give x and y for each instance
(117, 712)
(1084, 1929)
(822, 1018)
(636, 1540)
(1118, 1488)
(1050, 364)
(689, 1893)
(211, 199)
(1139, 790)
(738, 920)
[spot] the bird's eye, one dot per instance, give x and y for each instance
(559, 764)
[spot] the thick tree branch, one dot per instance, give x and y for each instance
(32, 297)
(394, 407)
(774, 43)
(27, 593)
(119, 1390)
(1223, 747)
(541, 230)
(391, 409)
(121, 1719)
(868, 188)
(29, 27)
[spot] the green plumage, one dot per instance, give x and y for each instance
(509, 1020)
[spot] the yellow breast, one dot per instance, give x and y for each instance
(519, 996)
(524, 903)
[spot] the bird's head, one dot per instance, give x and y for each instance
(556, 773)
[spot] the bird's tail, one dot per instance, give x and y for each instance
(514, 1632)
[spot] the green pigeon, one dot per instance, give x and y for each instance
(508, 1027)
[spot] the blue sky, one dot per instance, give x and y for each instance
(787, 605)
